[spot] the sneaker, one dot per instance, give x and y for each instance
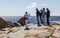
(50, 26)
(26, 29)
(39, 25)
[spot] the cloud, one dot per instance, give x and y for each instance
(43, 5)
(32, 5)
(35, 4)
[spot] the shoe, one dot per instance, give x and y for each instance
(39, 25)
(50, 26)
(26, 29)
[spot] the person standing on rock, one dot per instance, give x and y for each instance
(38, 16)
(41, 11)
(48, 16)
(26, 16)
(43, 16)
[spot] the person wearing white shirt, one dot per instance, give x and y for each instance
(26, 16)
(43, 15)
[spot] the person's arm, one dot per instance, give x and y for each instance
(45, 12)
(29, 14)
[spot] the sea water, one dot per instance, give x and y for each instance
(32, 19)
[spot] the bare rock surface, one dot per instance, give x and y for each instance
(34, 32)
(21, 21)
(3, 23)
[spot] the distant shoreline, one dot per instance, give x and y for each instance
(32, 18)
(13, 16)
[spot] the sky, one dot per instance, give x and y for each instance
(19, 7)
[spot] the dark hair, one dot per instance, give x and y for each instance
(26, 12)
(36, 8)
(46, 8)
(43, 8)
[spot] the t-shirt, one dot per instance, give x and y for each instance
(26, 16)
(43, 13)
(37, 13)
(48, 13)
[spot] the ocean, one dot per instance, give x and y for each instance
(32, 18)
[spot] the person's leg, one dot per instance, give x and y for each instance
(38, 20)
(41, 19)
(48, 20)
(26, 24)
(44, 20)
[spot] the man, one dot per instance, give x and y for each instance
(38, 16)
(43, 16)
(41, 12)
(26, 16)
(48, 15)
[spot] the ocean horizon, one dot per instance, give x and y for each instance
(32, 19)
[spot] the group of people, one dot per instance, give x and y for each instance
(41, 16)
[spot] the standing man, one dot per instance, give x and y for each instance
(41, 12)
(26, 16)
(38, 16)
(48, 15)
(43, 16)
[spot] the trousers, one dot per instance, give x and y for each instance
(26, 23)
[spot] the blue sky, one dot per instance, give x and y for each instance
(18, 7)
